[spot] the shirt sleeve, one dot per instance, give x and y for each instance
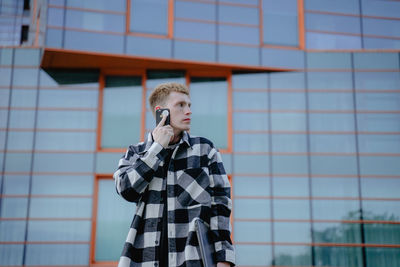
(221, 206)
(136, 170)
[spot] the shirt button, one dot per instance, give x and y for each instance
(156, 244)
(155, 264)
(162, 200)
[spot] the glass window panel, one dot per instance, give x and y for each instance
(56, 184)
(94, 42)
(14, 207)
(324, 60)
(334, 187)
(290, 187)
(292, 255)
(332, 41)
(105, 162)
(288, 121)
(194, 51)
(251, 186)
(381, 27)
(25, 77)
(378, 101)
(285, 14)
(290, 164)
(149, 16)
(299, 232)
(331, 122)
(381, 8)
(154, 78)
(250, 100)
(94, 21)
(63, 162)
(253, 164)
(57, 254)
(250, 81)
(330, 80)
(238, 34)
(339, 256)
(5, 76)
(23, 98)
(80, 79)
(6, 56)
(2, 139)
(26, 57)
(291, 209)
(381, 210)
(20, 140)
(252, 231)
(380, 60)
(336, 143)
(336, 209)
(11, 255)
(330, 165)
(331, 101)
(282, 58)
(251, 143)
(12, 231)
(380, 187)
(238, 14)
(113, 220)
(18, 162)
(238, 55)
(68, 98)
(247, 2)
(70, 119)
(383, 257)
(68, 141)
(106, 5)
(377, 80)
(250, 121)
(382, 233)
(210, 113)
(379, 165)
(381, 43)
(253, 255)
(287, 80)
(15, 184)
(378, 122)
(61, 207)
(22, 119)
(288, 101)
(55, 17)
(251, 208)
(193, 10)
(337, 233)
(339, 6)
(75, 231)
(203, 32)
(54, 38)
(4, 97)
(332, 23)
(145, 46)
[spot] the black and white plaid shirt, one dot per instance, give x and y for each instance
(196, 185)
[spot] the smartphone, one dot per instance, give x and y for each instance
(160, 113)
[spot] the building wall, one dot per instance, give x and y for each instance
(311, 143)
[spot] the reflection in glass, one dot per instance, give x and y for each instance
(337, 233)
(383, 257)
(292, 255)
(122, 107)
(376, 233)
(114, 216)
(334, 187)
(381, 210)
(210, 112)
(336, 209)
(338, 256)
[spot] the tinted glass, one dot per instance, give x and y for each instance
(332, 41)
(251, 164)
(238, 34)
(68, 98)
(116, 5)
(50, 231)
(381, 8)
(324, 60)
(251, 208)
(290, 165)
(384, 257)
(337, 233)
(238, 14)
(381, 27)
(57, 184)
(329, 165)
(250, 81)
(238, 54)
(299, 232)
(291, 209)
(335, 187)
(288, 101)
(251, 186)
(332, 143)
(290, 187)
(57, 254)
(252, 231)
(251, 143)
(288, 121)
(193, 10)
(203, 32)
(250, 100)
(61, 207)
(330, 23)
(292, 255)
(381, 61)
(339, 256)
(382, 233)
(93, 41)
(253, 255)
(336, 209)
(12, 231)
(95, 21)
(330, 101)
(149, 16)
(380, 187)
(66, 119)
(340, 6)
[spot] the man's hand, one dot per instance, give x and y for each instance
(163, 134)
(223, 264)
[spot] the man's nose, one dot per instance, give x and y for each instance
(188, 111)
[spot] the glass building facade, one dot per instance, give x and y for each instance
(302, 97)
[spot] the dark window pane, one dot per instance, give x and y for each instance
(338, 256)
(149, 16)
(292, 255)
(383, 257)
(382, 233)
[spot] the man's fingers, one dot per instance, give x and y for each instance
(162, 122)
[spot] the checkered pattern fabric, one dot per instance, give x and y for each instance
(197, 186)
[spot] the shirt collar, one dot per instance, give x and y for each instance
(185, 139)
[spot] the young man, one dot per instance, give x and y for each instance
(174, 178)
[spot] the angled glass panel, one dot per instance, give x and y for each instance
(287, 80)
(23, 98)
(55, 17)
(15, 184)
(381, 43)
(27, 57)
(63, 162)
(331, 122)
(68, 98)
(289, 164)
(288, 121)
(378, 122)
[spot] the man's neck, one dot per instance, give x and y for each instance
(177, 138)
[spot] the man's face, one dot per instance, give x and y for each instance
(179, 105)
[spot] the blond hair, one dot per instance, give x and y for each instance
(160, 94)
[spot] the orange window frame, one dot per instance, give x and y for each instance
(170, 22)
(300, 24)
